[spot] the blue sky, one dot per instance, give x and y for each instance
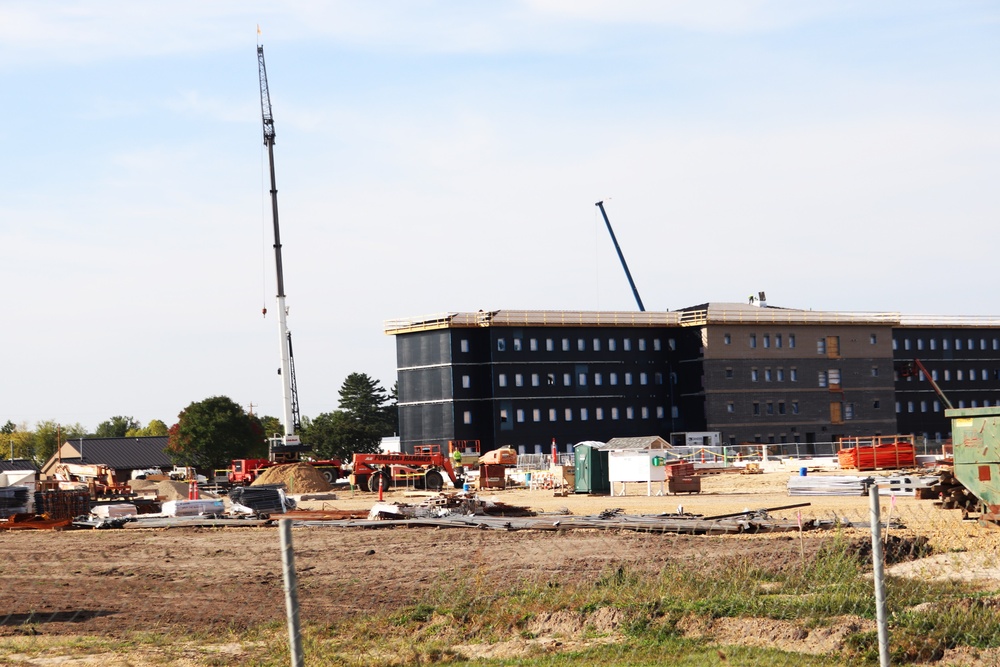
(442, 156)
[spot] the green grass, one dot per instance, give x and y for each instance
(540, 622)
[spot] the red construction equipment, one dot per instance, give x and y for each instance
(422, 469)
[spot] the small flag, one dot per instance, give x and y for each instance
(799, 515)
(258, 29)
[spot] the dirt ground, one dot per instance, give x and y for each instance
(106, 582)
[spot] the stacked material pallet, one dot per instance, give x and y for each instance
(62, 504)
(891, 455)
(829, 486)
(13, 500)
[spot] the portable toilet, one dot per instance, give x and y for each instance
(591, 469)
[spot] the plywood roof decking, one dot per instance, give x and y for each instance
(709, 313)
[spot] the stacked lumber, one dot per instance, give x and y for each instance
(953, 493)
(829, 486)
(891, 455)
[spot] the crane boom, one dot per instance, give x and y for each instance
(628, 274)
(289, 393)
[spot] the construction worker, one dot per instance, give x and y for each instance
(456, 458)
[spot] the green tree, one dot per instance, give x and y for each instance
(153, 428)
(272, 426)
(366, 414)
(49, 435)
(116, 427)
(210, 433)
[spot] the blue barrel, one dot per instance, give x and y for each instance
(468, 487)
(802, 472)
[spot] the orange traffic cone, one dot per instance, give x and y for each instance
(193, 490)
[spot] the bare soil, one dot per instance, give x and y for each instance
(111, 582)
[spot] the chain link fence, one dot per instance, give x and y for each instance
(609, 580)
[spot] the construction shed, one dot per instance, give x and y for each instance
(640, 442)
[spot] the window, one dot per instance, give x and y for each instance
(756, 409)
(933, 343)
(672, 343)
(753, 340)
(767, 375)
(944, 343)
(923, 406)
(821, 346)
(627, 344)
(467, 417)
(581, 379)
(565, 344)
(920, 343)
(644, 412)
(599, 414)
(958, 343)
(660, 412)
(985, 375)
(466, 382)
(793, 374)
(597, 345)
(552, 414)
(874, 371)
(658, 378)
(906, 343)
(643, 378)
(567, 380)
(642, 344)
(791, 340)
(834, 377)
(656, 344)
(517, 344)
(502, 379)
(727, 339)
(730, 407)
(848, 411)
(781, 407)
(598, 379)
(612, 346)
(614, 413)
(777, 340)
(628, 378)
(520, 415)
(876, 404)
(795, 407)
(503, 416)
(550, 345)
(947, 375)
(729, 373)
(535, 380)
(581, 345)
(972, 345)
(781, 374)
(753, 375)
(767, 340)
(613, 378)
(909, 406)
(959, 375)
(821, 378)
(533, 344)
(536, 415)
(770, 408)
(583, 414)
(501, 345)
(873, 339)
(568, 413)
(518, 380)
(463, 345)
(630, 412)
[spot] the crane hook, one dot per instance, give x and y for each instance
(263, 311)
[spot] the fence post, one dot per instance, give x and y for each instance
(291, 593)
(878, 569)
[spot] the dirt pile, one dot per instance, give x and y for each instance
(297, 478)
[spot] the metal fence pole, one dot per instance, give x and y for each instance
(291, 593)
(878, 568)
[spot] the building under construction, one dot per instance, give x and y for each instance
(752, 372)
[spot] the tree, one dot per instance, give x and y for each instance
(49, 436)
(116, 427)
(210, 433)
(365, 416)
(153, 428)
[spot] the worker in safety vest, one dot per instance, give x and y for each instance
(456, 458)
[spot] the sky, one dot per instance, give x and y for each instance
(440, 156)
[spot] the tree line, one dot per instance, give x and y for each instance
(211, 432)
